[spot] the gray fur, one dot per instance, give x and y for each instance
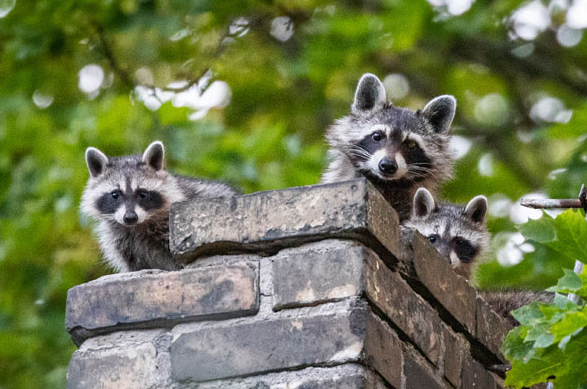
(370, 93)
(144, 245)
(440, 112)
(370, 110)
(467, 222)
(447, 221)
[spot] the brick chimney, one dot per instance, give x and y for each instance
(309, 288)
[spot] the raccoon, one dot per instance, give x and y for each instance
(460, 236)
(458, 233)
(396, 149)
(130, 197)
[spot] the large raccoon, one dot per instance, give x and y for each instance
(460, 235)
(397, 149)
(130, 197)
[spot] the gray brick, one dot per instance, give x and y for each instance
(417, 376)
(227, 351)
(347, 376)
(383, 350)
(149, 298)
(474, 375)
(454, 347)
(491, 330)
(406, 309)
(122, 360)
(499, 383)
(265, 222)
(344, 333)
(424, 266)
(317, 272)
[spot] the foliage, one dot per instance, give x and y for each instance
(551, 340)
(291, 68)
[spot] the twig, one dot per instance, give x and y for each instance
(551, 203)
(111, 58)
(130, 82)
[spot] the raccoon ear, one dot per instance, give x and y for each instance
(96, 161)
(440, 112)
(477, 209)
(154, 156)
(370, 93)
(424, 204)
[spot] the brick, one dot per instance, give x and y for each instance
(317, 272)
(406, 309)
(426, 267)
(122, 360)
(259, 346)
(453, 356)
(499, 383)
(149, 298)
(417, 376)
(474, 375)
(347, 376)
(266, 222)
(491, 330)
(383, 350)
(344, 333)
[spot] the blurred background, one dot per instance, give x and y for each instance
(243, 91)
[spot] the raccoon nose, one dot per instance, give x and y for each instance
(387, 166)
(130, 217)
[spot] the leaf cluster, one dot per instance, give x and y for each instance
(551, 341)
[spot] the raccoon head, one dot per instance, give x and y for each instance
(127, 190)
(458, 233)
(392, 143)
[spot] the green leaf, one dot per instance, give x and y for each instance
(571, 323)
(562, 302)
(563, 342)
(570, 282)
(541, 230)
(544, 340)
(528, 314)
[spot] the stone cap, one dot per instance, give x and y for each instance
(156, 298)
(265, 222)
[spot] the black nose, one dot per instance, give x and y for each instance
(130, 217)
(387, 166)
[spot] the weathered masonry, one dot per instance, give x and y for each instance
(314, 287)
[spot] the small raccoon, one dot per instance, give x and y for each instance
(397, 149)
(130, 197)
(460, 236)
(458, 233)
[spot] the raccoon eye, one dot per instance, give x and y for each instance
(459, 241)
(142, 194)
(377, 136)
(433, 238)
(115, 194)
(411, 144)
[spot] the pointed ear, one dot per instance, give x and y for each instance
(154, 156)
(96, 161)
(440, 112)
(369, 94)
(477, 209)
(424, 204)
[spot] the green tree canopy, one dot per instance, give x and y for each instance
(243, 92)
